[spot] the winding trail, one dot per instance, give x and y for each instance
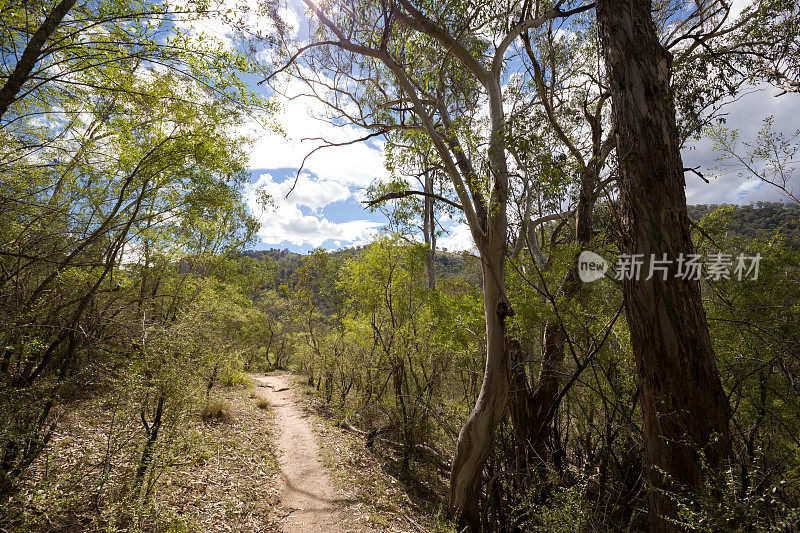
(307, 494)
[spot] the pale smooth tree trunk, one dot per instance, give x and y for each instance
(429, 230)
(685, 410)
(475, 438)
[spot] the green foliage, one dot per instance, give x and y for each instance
(721, 504)
(120, 209)
(567, 510)
(751, 221)
(753, 324)
(382, 347)
(122, 281)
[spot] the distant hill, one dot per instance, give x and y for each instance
(755, 219)
(747, 220)
(287, 261)
(449, 265)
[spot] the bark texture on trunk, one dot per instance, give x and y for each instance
(475, 438)
(684, 407)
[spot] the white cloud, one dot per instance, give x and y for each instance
(459, 238)
(737, 6)
(303, 121)
(285, 220)
(308, 191)
(745, 115)
(333, 174)
(748, 186)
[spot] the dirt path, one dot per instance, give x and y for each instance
(308, 496)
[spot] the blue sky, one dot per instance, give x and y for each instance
(325, 209)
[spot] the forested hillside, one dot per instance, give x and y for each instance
(757, 219)
(750, 221)
(604, 357)
(286, 263)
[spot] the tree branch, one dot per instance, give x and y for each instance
(406, 193)
(23, 68)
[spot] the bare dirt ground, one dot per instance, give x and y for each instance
(309, 500)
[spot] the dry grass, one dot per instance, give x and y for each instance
(216, 411)
(232, 486)
(260, 401)
(216, 477)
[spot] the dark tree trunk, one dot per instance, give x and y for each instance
(685, 410)
(533, 408)
(23, 68)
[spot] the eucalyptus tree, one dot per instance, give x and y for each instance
(684, 407)
(410, 156)
(706, 37)
(434, 63)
